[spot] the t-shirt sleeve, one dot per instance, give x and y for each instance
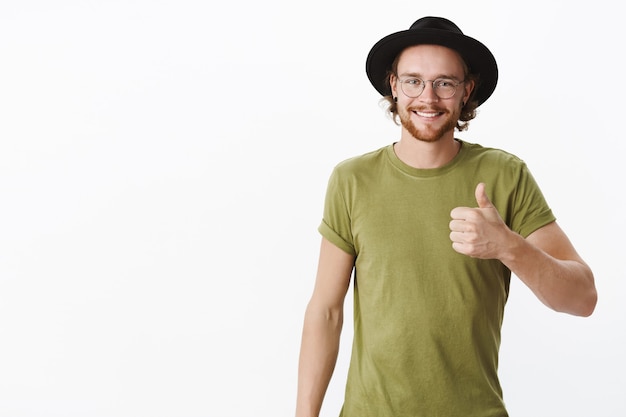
(531, 210)
(336, 224)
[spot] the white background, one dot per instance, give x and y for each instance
(162, 172)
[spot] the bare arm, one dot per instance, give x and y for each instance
(545, 261)
(548, 264)
(323, 321)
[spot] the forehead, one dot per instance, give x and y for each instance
(431, 59)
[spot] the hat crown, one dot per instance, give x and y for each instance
(438, 23)
(433, 31)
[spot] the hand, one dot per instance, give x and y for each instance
(478, 232)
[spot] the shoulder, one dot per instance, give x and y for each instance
(362, 163)
(478, 151)
(493, 158)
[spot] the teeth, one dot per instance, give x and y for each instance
(419, 113)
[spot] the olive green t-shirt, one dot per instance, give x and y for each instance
(426, 319)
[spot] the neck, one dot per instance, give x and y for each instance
(427, 155)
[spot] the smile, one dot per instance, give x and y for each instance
(428, 115)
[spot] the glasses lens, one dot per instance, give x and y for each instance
(412, 87)
(444, 88)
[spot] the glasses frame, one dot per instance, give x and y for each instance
(432, 84)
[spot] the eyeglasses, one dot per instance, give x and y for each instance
(443, 87)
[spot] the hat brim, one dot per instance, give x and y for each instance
(476, 55)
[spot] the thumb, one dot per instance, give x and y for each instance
(481, 196)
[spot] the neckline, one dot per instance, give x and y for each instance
(427, 172)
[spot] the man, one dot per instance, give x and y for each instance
(432, 227)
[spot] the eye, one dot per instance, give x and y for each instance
(413, 82)
(444, 83)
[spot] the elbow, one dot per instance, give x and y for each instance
(587, 296)
(584, 306)
(334, 317)
(590, 299)
(589, 305)
(327, 316)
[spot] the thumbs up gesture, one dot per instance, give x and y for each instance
(479, 232)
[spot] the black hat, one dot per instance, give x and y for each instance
(434, 31)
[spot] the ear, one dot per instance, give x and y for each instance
(468, 87)
(394, 85)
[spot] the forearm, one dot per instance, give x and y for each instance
(563, 285)
(318, 355)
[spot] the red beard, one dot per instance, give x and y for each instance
(428, 133)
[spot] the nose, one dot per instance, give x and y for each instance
(429, 95)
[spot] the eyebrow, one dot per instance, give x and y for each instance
(418, 75)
